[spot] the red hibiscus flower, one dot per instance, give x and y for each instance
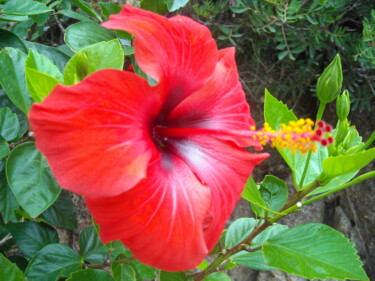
(161, 167)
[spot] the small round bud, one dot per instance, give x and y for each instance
(330, 82)
(299, 204)
(343, 105)
(342, 129)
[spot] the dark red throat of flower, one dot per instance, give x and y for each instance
(297, 135)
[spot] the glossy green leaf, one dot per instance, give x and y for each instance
(314, 251)
(174, 5)
(31, 237)
(56, 56)
(40, 19)
(9, 125)
(90, 275)
(251, 193)
(8, 203)
(84, 6)
(12, 78)
(84, 34)
(24, 7)
(39, 84)
(62, 213)
(4, 150)
(274, 192)
(144, 271)
(13, 18)
(109, 8)
(74, 15)
(116, 248)
(9, 271)
(43, 64)
(238, 231)
(123, 272)
(90, 246)
(9, 39)
(156, 6)
(30, 179)
(217, 276)
(332, 184)
(255, 260)
(93, 58)
(22, 118)
(53, 261)
(343, 164)
(172, 276)
(275, 112)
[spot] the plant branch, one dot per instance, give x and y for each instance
(289, 207)
(341, 187)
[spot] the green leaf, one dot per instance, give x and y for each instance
(71, 14)
(24, 7)
(9, 39)
(62, 213)
(53, 261)
(30, 179)
(116, 248)
(274, 192)
(93, 58)
(84, 6)
(13, 18)
(144, 271)
(255, 260)
(174, 5)
(217, 276)
(123, 272)
(12, 78)
(172, 276)
(156, 6)
(110, 8)
(43, 64)
(8, 203)
(22, 118)
(9, 271)
(275, 112)
(343, 164)
(9, 125)
(39, 84)
(4, 150)
(90, 247)
(282, 55)
(31, 237)
(84, 34)
(238, 231)
(90, 275)
(251, 193)
(314, 251)
(57, 57)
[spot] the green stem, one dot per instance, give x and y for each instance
(305, 170)
(319, 116)
(341, 187)
(286, 209)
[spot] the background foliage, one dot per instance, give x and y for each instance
(286, 44)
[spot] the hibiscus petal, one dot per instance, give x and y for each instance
(225, 168)
(178, 52)
(219, 105)
(160, 219)
(95, 135)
